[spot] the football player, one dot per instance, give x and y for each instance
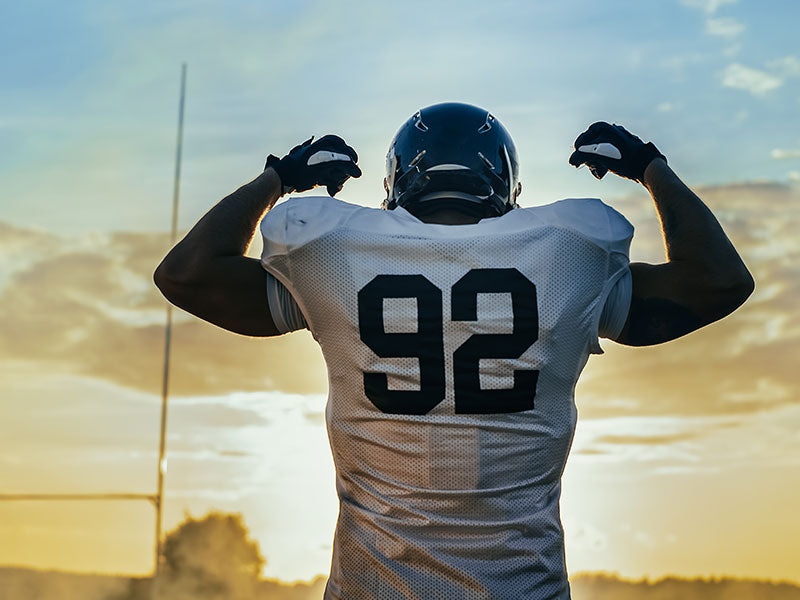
(454, 326)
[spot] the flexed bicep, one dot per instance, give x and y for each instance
(231, 294)
(661, 308)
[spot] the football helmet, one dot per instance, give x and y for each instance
(452, 155)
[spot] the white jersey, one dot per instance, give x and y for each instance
(452, 355)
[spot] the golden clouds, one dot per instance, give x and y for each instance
(649, 440)
(746, 362)
(88, 306)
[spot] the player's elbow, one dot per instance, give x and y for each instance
(170, 280)
(727, 293)
(742, 288)
(739, 282)
(162, 279)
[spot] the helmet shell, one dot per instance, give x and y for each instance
(452, 155)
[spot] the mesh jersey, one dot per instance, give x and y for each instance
(452, 355)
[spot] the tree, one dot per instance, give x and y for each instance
(212, 558)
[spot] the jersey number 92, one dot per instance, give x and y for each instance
(427, 343)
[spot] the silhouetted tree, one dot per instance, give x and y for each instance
(212, 558)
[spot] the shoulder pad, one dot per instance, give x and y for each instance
(297, 221)
(592, 219)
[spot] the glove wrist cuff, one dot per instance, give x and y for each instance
(646, 154)
(276, 164)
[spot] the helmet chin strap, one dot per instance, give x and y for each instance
(453, 200)
(444, 195)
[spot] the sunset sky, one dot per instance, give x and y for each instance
(686, 458)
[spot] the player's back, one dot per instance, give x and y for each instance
(452, 354)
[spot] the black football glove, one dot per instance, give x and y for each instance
(605, 148)
(329, 161)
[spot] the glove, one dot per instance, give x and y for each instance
(329, 161)
(605, 148)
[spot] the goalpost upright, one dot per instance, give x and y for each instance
(156, 499)
(162, 443)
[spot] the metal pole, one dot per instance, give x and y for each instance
(162, 444)
(58, 497)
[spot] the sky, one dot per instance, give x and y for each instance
(686, 455)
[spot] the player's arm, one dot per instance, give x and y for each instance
(207, 273)
(704, 278)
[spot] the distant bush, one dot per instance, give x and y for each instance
(607, 586)
(212, 558)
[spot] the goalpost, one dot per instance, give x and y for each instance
(162, 443)
(156, 499)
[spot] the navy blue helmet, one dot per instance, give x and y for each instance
(452, 155)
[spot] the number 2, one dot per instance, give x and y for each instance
(427, 344)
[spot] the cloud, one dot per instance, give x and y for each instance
(646, 440)
(779, 154)
(742, 364)
(724, 27)
(88, 306)
(732, 50)
(707, 6)
(669, 441)
(788, 66)
(582, 535)
(755, 81)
